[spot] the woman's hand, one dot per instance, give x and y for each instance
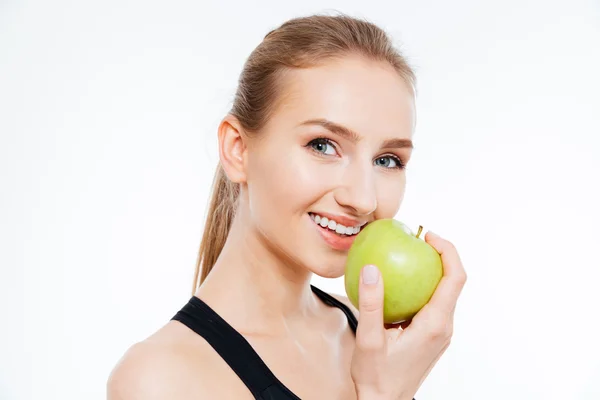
(392, 362)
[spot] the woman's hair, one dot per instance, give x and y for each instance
(299, 43)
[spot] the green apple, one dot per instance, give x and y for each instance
(410, 267)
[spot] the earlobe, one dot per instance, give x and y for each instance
(232, 149)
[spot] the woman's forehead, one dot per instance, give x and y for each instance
(367, 97)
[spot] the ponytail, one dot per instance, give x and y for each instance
(220, 213)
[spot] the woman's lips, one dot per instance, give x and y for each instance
(336, 241)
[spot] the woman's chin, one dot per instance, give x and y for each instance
(328, 271)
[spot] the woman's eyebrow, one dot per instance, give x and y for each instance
(354, 137)
(336, 128)
(397, 144)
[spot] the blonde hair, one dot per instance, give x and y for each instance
(299, 43)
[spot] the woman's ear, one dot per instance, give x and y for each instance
(232, 149)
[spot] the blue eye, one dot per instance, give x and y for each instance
(322, 145)
(390, 162)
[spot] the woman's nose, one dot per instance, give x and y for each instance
(357, 191)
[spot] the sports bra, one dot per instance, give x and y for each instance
(235, 350)
(238, 353)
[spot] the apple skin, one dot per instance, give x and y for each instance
(410, 267)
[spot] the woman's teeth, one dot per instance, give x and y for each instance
(334, 226)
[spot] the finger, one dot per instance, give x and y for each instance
(448, 290)
(370, 334)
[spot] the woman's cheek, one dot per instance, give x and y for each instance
(390, 194)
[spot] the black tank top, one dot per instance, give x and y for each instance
(238, 353)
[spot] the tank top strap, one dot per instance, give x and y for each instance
(233, 348)
(333, 302)
(237, 352)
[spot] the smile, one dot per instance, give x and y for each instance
(334, 226)
(336, 235)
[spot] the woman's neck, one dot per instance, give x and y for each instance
(254, 286)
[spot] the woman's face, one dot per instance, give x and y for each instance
(335, 150)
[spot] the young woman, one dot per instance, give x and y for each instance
(315, 147)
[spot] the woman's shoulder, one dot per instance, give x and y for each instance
(172, 364)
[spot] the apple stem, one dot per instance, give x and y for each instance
(420, 230)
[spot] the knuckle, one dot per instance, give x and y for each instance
(440, 330)
(461, 278)
(450, 246)
(370, 306)
(369, 302)
(436, 333)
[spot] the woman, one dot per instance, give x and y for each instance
(315, 147)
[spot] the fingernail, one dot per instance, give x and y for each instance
(432, 233)
(370, 275)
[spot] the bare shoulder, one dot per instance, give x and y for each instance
(148, 371)
(172, 364)
(347, 302)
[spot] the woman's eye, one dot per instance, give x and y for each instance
(323, 146)
(389, 162)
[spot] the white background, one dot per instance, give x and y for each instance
(108, 116)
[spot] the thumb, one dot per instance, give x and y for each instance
(370, 334)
